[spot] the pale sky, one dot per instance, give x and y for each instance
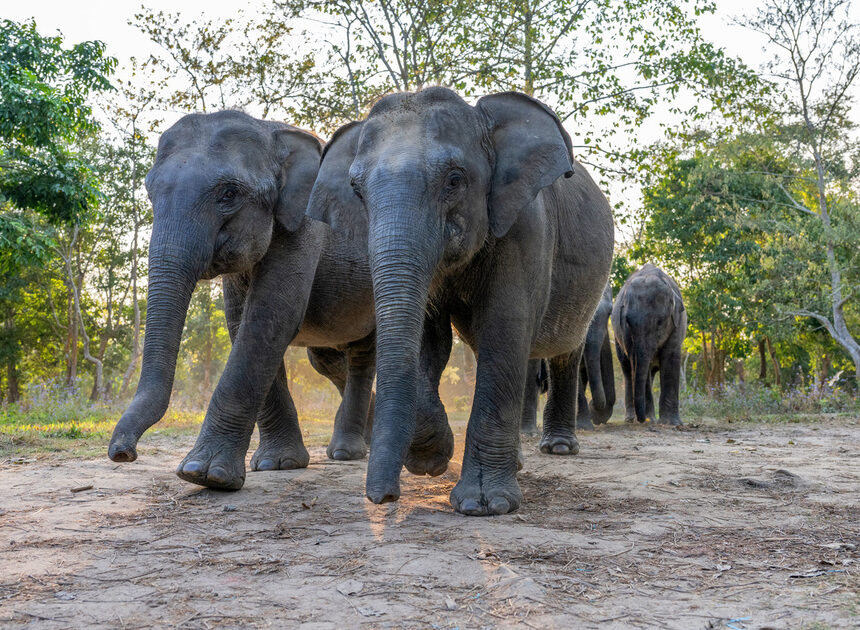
(107, 20)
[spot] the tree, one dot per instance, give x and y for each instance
(816, 63)
(44, 90)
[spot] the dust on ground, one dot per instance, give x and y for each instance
(710, 526)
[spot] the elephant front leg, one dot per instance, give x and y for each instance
(670, 377)
(432, 444)
(271, 318)
(649, 396)
(348, 437)
(559, 415)
(627, 371)
(281, 445)
(488, 483)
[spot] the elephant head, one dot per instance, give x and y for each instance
(221, 185)
(439, 179)
(647, 311)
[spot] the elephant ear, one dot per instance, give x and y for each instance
(332, 199)
(298, 153)
(532, 151)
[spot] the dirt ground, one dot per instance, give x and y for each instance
(711, 526)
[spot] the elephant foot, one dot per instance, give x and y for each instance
(214, 465)
(383, 490)
(280, 456)
(123, 449)
(601, 416)
(559, 445)
(486, 494)
(584, 423)
(672, 420)
(629, 418)
(530, 429)
(346, 447)
(431, 456)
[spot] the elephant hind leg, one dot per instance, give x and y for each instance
(528, 422)
(559, 415)
(281, 445)
(352, 371)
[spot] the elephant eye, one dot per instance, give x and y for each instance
(454, 181)
(228, 194)
(355, 189)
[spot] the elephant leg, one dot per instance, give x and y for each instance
(584, 417)
(347, 440)
(559, 414)
(627, 371)
(528, 421)
(488, 483)
(281, 445)
(649, 396)
(432, 443)
(670, 376)
(607, 375)
(270, 320)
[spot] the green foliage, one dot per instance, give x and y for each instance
(43, 109)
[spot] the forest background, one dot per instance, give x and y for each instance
(725, 139)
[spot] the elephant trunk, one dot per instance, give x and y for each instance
(593, 370)
(402, 259)
(174, 270)
(641, 372)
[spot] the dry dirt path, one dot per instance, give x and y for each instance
(719, 526)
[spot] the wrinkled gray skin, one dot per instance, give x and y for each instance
(478, 216)
(229, 195)
(650, 322)
(595, 369)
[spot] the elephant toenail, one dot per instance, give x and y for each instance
(193, 467)
(340, 455)
(470, 506)
(499, 505)
(218, 474)
(266, 464)
(561, 449)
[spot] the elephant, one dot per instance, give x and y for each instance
(229, 195)
(478, 216)
(537, 383)
(650, 322)
(595, 368)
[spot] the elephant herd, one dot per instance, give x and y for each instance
(429, 213)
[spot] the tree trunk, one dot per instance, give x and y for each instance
(762, 360)
(72, 345)
(777, 374)
(12, 387)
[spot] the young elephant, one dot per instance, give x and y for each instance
(479, 216)
(650, 322)
(595, 369)
(229, 195)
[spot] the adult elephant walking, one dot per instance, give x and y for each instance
(478, 215)
(650, 322)
(596, 368)
(229, 195)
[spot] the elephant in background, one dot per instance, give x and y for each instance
(596, 368)
(537, 383)
(650, 322)
(229, 196)
(478, 216)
